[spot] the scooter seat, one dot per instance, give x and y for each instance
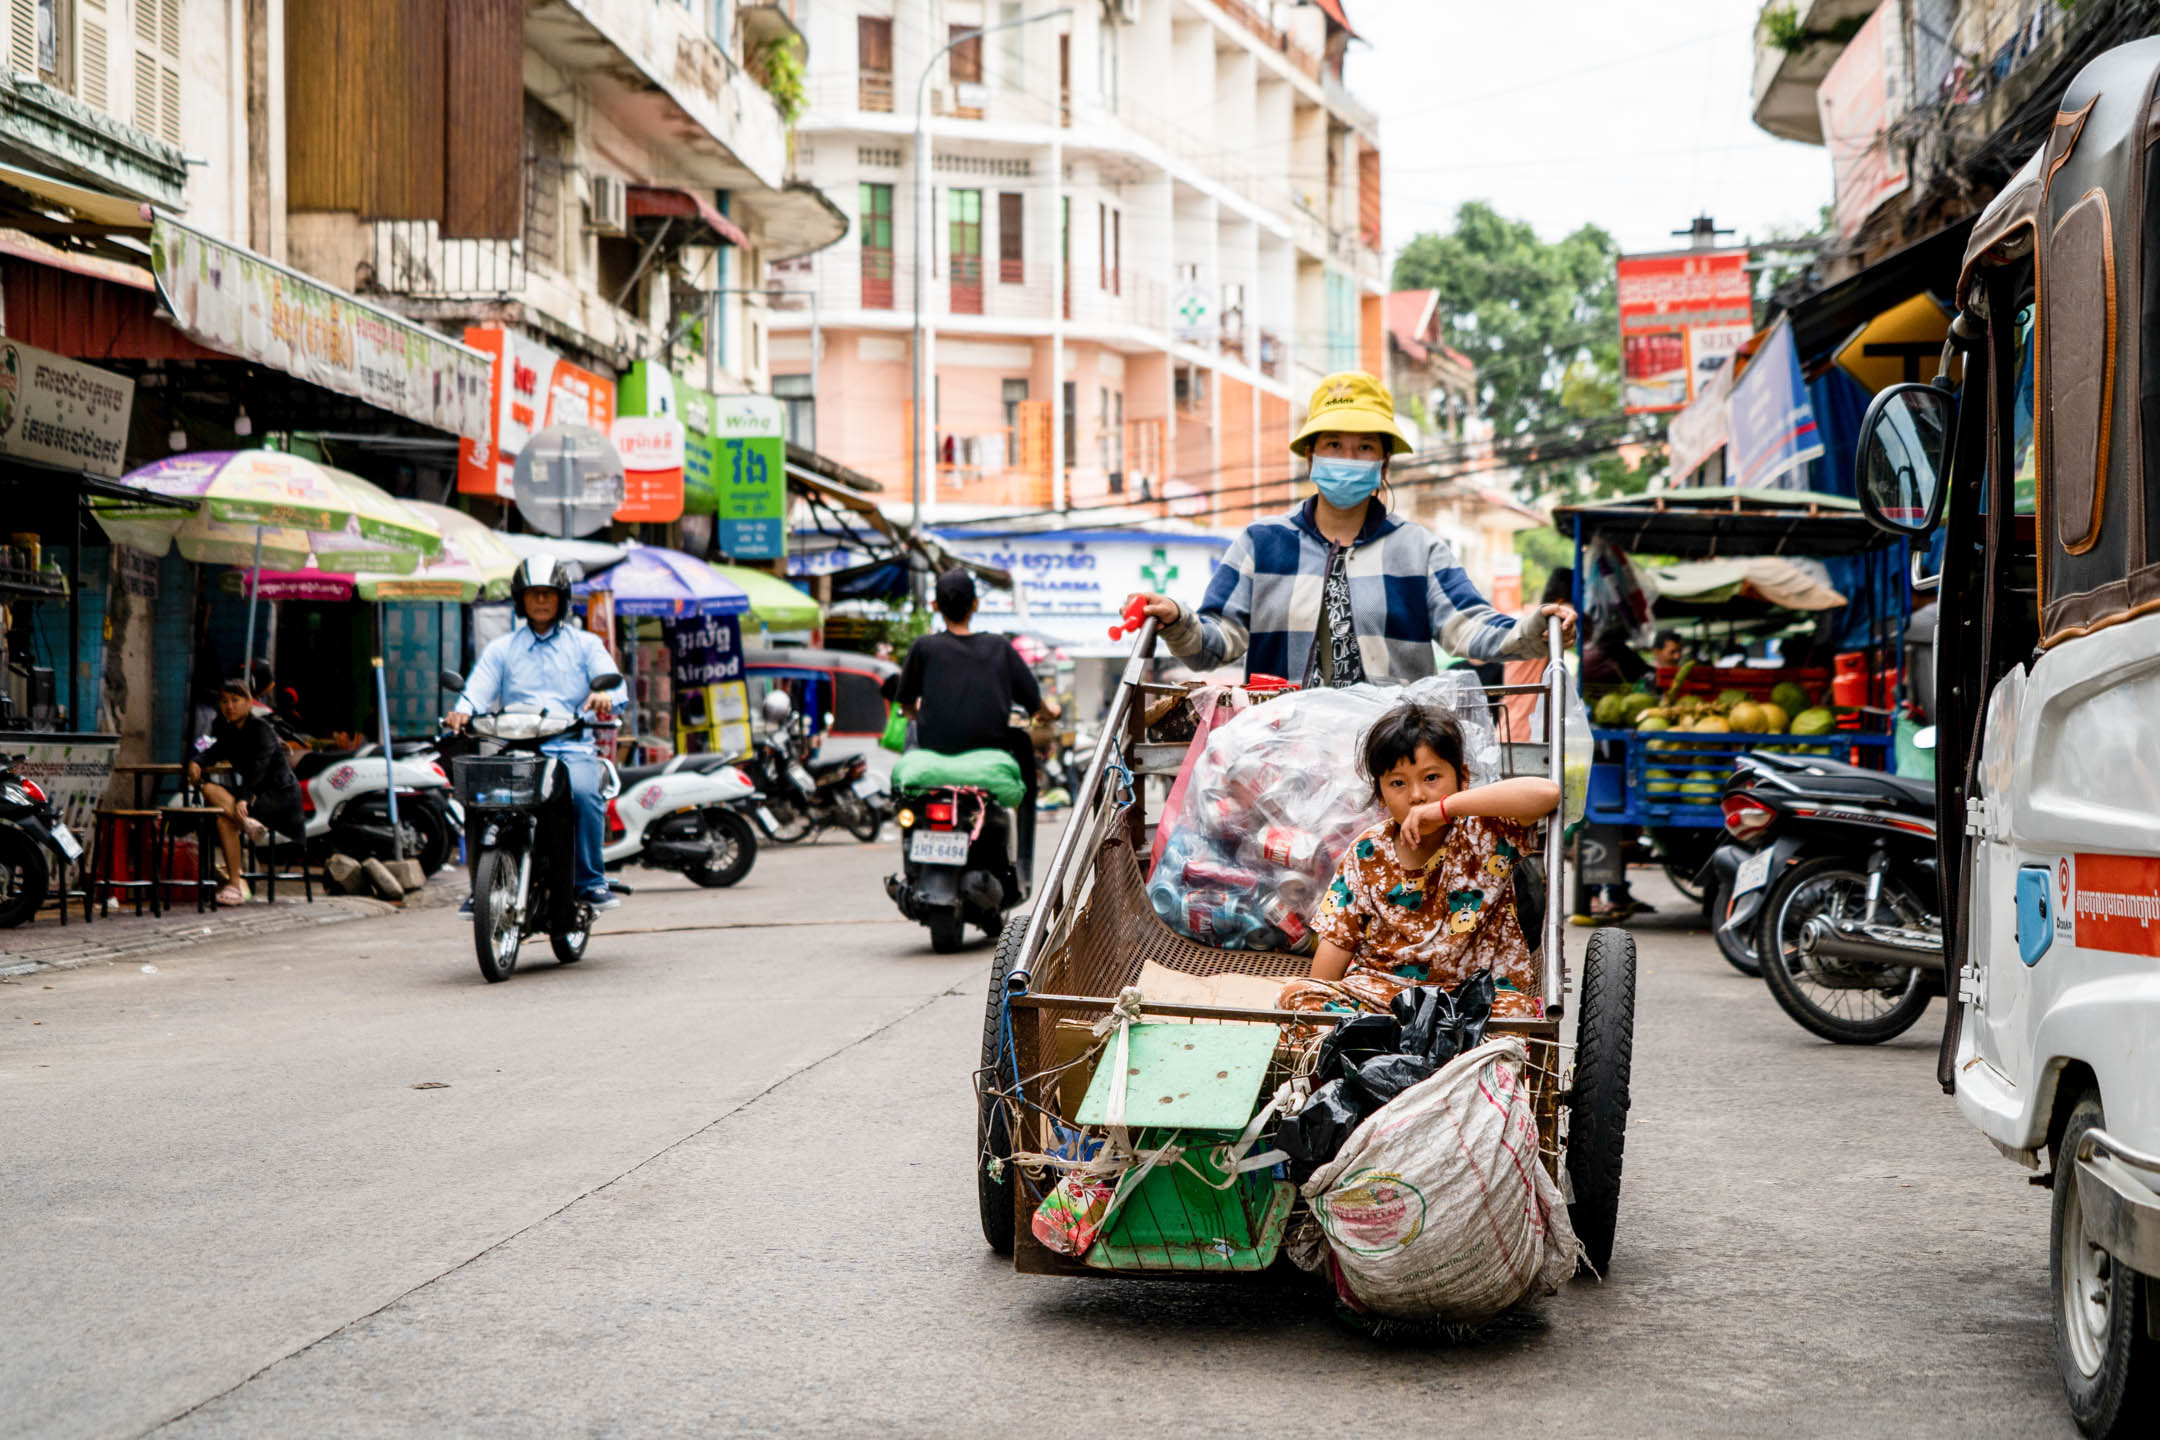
(639, 774)
(314, 762)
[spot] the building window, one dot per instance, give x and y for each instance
(1012, 236)
(1012, 46)
(1117, 252)
(874, 204)
(966, 251)
(800, 403)
(547, 140)
(1014, 394)
(1072, 429)
(1189, 386)
(1116, 466)
(873, 56)
(963, 66)
(1065, 251)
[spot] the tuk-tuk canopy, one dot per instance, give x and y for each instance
(1708, 522)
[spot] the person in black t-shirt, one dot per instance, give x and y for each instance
(960, 686)
(263, 797)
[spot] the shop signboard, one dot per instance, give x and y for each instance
(62, 412)
(700, 497)
(652, 456)
(1772, 430)
(708, 657)
(1087, 572)
(530, 387)
(72, 770)
(1857, 101)
(750, 473)
(242, 304)
(1682, 314)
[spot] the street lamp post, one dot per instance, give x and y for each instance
(924, 433)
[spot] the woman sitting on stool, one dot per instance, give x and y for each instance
(264, 796)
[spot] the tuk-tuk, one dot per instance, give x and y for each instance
(2041, 467)
(1653, 769)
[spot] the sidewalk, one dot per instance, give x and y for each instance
(47, 945)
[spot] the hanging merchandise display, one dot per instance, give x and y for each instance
(531, 388)
(750, 469)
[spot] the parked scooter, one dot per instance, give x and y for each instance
(344, 800)
(29, 826)
(1830, 887)
(807, 795)
(686, 817)
(520, 803)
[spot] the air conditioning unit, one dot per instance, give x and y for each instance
(610, 205)
(1128, 11)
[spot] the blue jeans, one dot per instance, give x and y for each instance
(586, 870)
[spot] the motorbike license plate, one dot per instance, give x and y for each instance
(65, 839)
(1752, 874)
(766, 818)
(938, 847)
(867, 786)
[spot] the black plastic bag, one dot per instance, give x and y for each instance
(1422, 1010)
(1311, 1137)
(1473, 1008)
(1356, 1039)
(1384, 1077)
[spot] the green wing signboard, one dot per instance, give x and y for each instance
(749, 472)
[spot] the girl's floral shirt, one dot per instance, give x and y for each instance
(1438, 924)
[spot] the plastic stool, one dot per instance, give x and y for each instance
(137, 835)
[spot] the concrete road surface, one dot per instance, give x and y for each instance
(716, 1180)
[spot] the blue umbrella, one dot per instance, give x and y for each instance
(653, 580)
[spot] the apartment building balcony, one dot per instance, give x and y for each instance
(661, 78)
(1786, 78)
(763, 21)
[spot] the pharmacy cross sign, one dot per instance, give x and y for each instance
(1159, 572)
(1192, 309)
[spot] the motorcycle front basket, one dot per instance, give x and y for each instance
(498, 782)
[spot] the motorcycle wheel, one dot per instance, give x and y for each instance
(1737, 946)
(569, 945)
(861, 821)
(947, 931)
(790, 824)
(1683, 880)
(433, 833)
(1843, 1014)
(23, 878)
(732, 845)
(495, 927)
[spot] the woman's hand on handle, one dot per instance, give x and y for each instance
(1567, 620)
(1159, 607)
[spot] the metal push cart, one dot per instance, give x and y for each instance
(1064, 965)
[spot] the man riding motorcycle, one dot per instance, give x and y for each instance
(544, 662)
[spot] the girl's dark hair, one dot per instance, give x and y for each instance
(1396, 736)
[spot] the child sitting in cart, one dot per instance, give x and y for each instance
(1427, 896)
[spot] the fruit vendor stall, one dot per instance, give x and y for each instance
(1833, 606)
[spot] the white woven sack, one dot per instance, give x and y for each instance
(1438, 1206)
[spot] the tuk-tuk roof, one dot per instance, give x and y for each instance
(1719, 520)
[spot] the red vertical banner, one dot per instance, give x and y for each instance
(1682, 315)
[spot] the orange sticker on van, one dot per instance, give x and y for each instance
(2116, 902)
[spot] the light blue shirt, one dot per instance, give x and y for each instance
(552, 670)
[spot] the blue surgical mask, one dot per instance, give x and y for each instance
(1345, 484)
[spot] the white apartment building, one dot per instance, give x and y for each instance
(1151, 226)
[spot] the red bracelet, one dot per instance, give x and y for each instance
(1443, 810)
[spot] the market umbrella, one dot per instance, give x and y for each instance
(653, 580)
(473, 563)
(774, 603)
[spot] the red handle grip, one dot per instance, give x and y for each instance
(1135, 615)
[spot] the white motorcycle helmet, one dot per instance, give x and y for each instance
(778, 708)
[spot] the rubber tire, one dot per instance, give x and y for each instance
(744, 835)
(570, 948)
(489, 865)
(1684, 882)
(1598, 1101)
(436, 846)
(993, 1122)
(1737, 948)
(791, 826)
(22, 856)
(1785, 990)
(948, 931)
(2123, 1399)
(861, 821)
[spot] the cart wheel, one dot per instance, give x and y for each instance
(1598, 1103)
(993, 1121)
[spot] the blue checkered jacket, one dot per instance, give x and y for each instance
(1407, 593)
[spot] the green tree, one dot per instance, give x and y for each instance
(1541, 320)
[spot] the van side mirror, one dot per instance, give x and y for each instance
(1905, 455)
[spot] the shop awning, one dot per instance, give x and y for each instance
(661, 200)
(115, 212)
(1767, 578)
(1712, 521)
(776, 604)
(1831, 314)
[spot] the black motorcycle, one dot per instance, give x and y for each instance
(518, 805)
(805, 795)
(960, 863)
(1829, 888)
(29, 827)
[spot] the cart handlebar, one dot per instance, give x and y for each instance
(1135, 613)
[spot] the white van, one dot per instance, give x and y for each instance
(2048, 705)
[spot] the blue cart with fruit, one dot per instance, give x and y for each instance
(1666, 744)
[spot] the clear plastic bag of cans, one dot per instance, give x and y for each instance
(1275, 799)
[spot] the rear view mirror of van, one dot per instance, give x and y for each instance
(1905, 456)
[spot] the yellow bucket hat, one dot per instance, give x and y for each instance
(1351, 401)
